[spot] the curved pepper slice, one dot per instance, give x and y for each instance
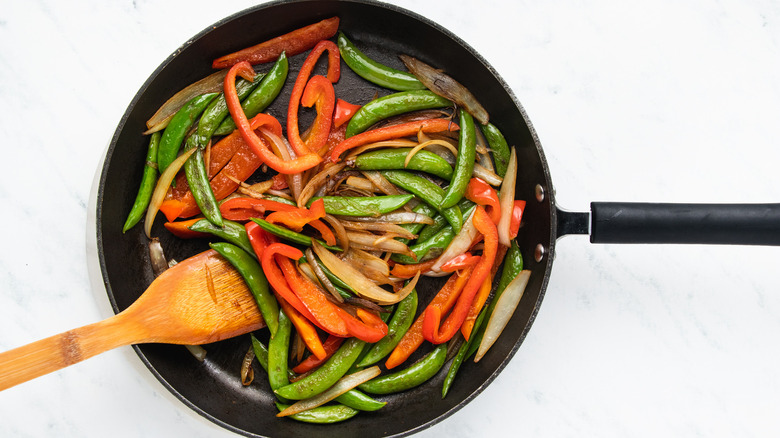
(330, 345)
(244, 209)
(480, 192)
(460, 262)
(431, 330)
(344, 112)
(277, 279)
(517, 217)
(315, 141)
(258, 145)
(319, 93)
(305, 329)
(297, 217)
(391, 132)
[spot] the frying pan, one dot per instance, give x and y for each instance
(383, 31)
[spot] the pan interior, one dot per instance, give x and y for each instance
(212, 388)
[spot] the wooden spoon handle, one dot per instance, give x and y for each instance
(56, 352)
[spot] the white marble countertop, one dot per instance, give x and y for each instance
(673, 101)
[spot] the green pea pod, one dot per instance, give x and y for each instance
(148, 181)
(439, 221)
(464, 163)
(200, 187)
(393, 159)
(230, 231)
(393, 105)
(262, 96)
(255, 279)
(513, 264)
(326, 375)
(428, 249)
(498, 146)
(217, 111)
(362, 205)
(408, 378)
(360, 401)
(421, 208)
(402, 319)
(342, 288)
(373, 71)
(463, 353)
(290, 235)
(177, 129)
(327, 414)
(428, 191)
(278, 355)
(261, 351)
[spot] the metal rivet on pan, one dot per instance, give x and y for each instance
(539, 253)
(539, 193)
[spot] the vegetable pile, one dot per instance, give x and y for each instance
(349, 214)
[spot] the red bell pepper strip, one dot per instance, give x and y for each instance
(305, 329)
(259, 238)
(330, 345)
(313, 143)
(367, 326)
(517, 217)
(480, 192)
(181, 229)
(344, 112)
(479, 301)
(277, 280)
(413, 337)
(459, 262)
(319, 93)
(391, 132)
(409, 271)
(258, 145)
(432, 317)
(243, 209)
(280, 182)
(297, 217)
(172, 208)
(292, 43)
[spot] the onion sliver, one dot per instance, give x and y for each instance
(403, 217)
(378, 243)
(211, 83)
(324, 280)
(487, 175)
(425, 144)
(354, 278)
(317, 181)
(506, 198)
(385, 227)
(505, 307)
(197, 351)
(339, 231)
(283, 150)
(343, 385)
(247, 372)
(459, 244)
(162, 188)
(157, 257)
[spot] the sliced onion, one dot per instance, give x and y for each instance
(324, 280)
(197, 351)
(505, 307)
(484, 152)
(383, 227)
(397, 143)
(284, 150)
(354, 278)
(373, 242)
(459, 244)
(360, 183)
(378, 180)
(447, 145)
(318, 181)
(157, 257)
(343, 385)
(487, 175)
(162, 188)
(506, 198)
(247, 372)
(398, 217)
(339, 231)
(210, 84)
(445, 86)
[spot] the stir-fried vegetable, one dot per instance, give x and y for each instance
(366, 200)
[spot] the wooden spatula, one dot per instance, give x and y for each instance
(203, 299)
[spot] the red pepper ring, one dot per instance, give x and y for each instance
(334, 72)
(319, 92)
(432, 332)
(460, 262)
(258, 145)
(344, 112)
(480, 192)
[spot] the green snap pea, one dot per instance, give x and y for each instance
(198, 181)
(410, 377)
(278, 355)
(463, 353)
(393, 159)
(360, 401)
(421, 208)
(230, 231)
(148, 181)
(326, 375)
(261, 351)
(255, 279)
(327, 414)
(513, 264)
(439, 221)
(428, 249)
(498, 146)
(363, 206)
(177, 129)
(374, 71)
(428, 191)
(393, 105)
(262, 96)
(342, 288)
(290, 235)
(402, 319)
(464, 163)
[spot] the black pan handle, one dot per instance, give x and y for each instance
(725, 224)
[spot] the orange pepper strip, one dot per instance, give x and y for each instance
(327, 234)
(344, 112)
(277, 280)
(460, 262)
(181, 229)
(481, 193)
(296, 218)
(305, 329)
(258, 145)
(391, 132)
(432, 316)
(479, 301)
(330, 345)
(413, 337)
(409, 271)
(242, 209)
(172, 208)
